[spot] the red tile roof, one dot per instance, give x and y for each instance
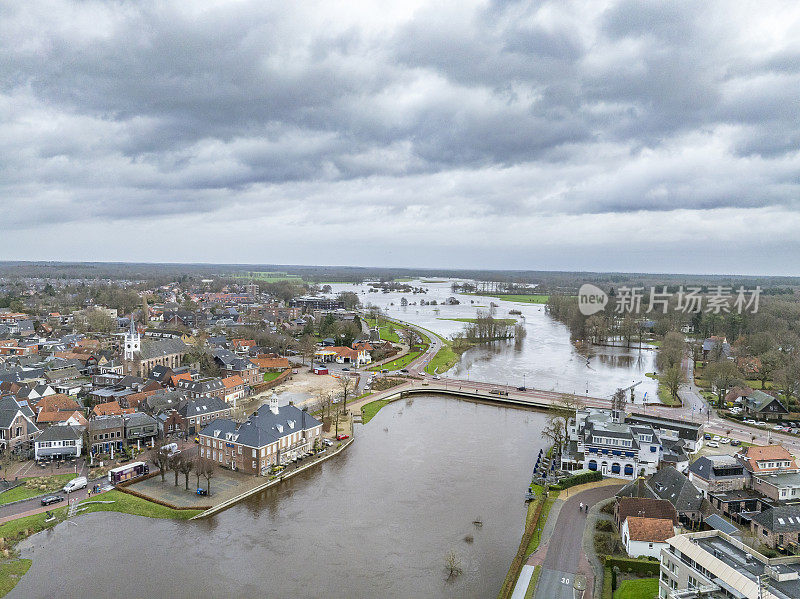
(651, 530)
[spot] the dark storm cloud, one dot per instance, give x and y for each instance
(143, 110)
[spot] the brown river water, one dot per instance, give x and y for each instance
(377, 521)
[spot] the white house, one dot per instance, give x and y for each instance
(646, 536)
(59, 441)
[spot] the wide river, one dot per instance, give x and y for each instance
(545, 359)
(377, 521)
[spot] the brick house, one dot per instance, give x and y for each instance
(16, 423)
(270, 436)
(234, 389)
(207, 387)
(717, 473)
(193, 414)
(777, 526)
(105, 433)
(643, 507)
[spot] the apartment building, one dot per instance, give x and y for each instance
(715, 565)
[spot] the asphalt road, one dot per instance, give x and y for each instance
(565, 545)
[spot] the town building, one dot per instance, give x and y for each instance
(672, 486)
(763, 406)
(777, 526)
(712, 564)
(645, 537)
(106, 434)
(17, 427)
(717, 473)
(205, 387)
(140, 428)
(271, 436)
(59, 442)
(644, 507)
(234, 389)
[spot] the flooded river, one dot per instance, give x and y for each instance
(376, 521)
(545, 359)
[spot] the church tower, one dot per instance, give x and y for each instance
(133, 342)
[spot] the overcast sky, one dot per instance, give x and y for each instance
(591, 135)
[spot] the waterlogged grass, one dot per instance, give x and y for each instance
(641, 588)
(369, 410)
(525, 299)
(11, 572)
(508, 321)
(129, 504)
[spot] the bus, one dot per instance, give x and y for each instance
(127, 472)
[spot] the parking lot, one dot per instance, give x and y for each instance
(225, 484)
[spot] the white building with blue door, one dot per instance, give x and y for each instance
(598, 441)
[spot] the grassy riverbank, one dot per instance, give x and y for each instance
(508, 321)
(369, 410)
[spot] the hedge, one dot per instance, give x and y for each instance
(608, 591)
(644, 568)
(578, 479)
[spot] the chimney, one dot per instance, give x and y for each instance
(273, 403)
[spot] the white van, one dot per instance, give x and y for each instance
(75, 484)
(170, 448)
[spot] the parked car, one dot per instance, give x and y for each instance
(725, 440)
(749, 421)
(75, 484)
(735, 442)
(327, 442)
(522, 388)
(716, 437)
(777, 427)
(49, 499)
(342, 437)
(712, 444)
(707, 437)
(345, 370)
(404, 370)
(761, 423)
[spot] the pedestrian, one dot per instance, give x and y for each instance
(581, 507)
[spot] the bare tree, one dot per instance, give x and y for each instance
(198, 468)
(307, 346)
(347, 385)
(186, 466)
(159, 457)
(208, 474)
(723, 375)
(452, 565)
(175, 464)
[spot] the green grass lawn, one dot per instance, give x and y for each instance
(389, 333)
(11, 572)
(641, 588)
(525, 299)
(548, 503)
(137, 506)
(474, 320)
(53, 483)
(271, 376)
(444, 360)
(398, 363)
(369, 410)
(432, 281)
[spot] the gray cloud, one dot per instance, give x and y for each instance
(147, 112)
